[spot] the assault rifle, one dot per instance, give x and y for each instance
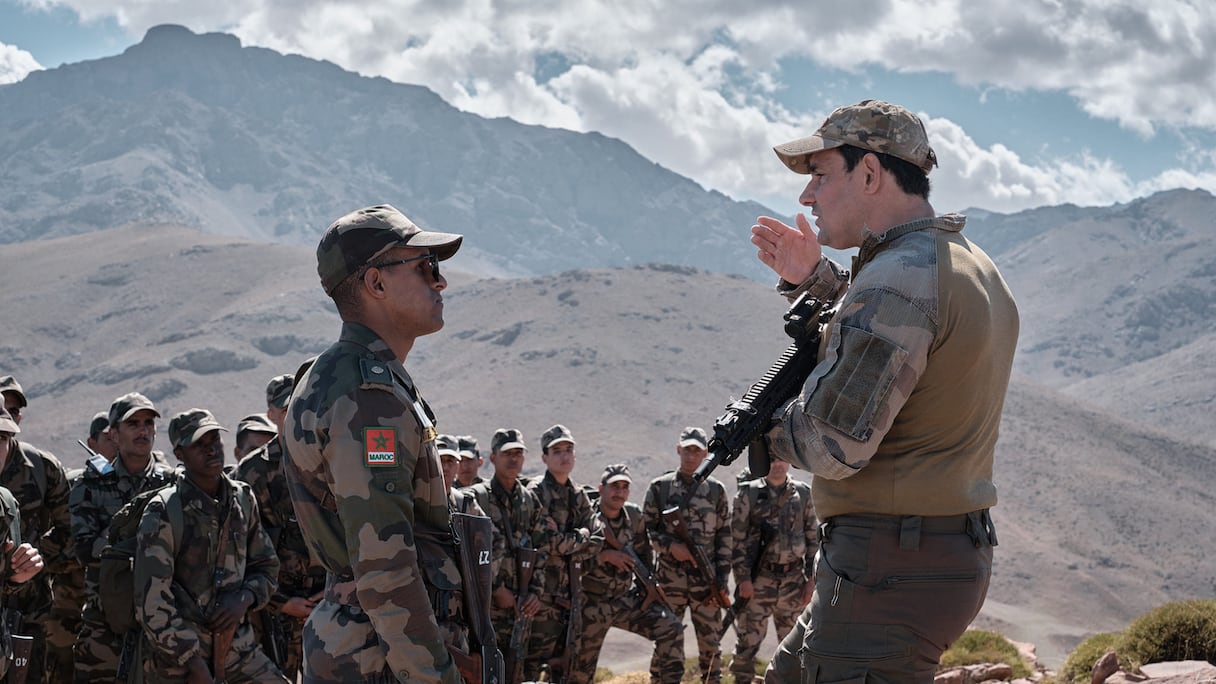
(517, 650)
(274, 635)
(474, 534)
(746, 421)
(650, 583)
(767, 532)
(562, 666)
(674, 518)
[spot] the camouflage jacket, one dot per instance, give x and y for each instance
(707, 516)
(176, 571)
(790, 515)
(516, 512)
(10, 528)
(365, 478)
(578, 535)
(262, 470)
(601, 579)
(37, 481)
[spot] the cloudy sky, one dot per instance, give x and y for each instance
(1028, 102)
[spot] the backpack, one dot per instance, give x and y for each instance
(116, 574)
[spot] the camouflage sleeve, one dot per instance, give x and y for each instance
(86, 516)
(585, 537)
(56, 543)
(740, 511)
(261, 561)
(641, 541)
(535, 522)
(652, 513)
(247, 471)
(877, 348)
(826, 283)
(157, 611)
(722, 540)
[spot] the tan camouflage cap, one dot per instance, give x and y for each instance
(9, 384)
(871, 125)
(693, 436)
(7, 424)
(507, 438)
(468, 446)
(555, 434)
(614, 473)
(126, 406)
(448, 444)
(278, 390)
(98, 425)
(186, 427)
(355, 239)
(256, 422)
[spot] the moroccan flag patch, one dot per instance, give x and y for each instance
(380, 446)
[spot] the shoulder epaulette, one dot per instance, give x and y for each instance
(375, 373)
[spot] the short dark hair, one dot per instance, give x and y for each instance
(346, 295)
(909, 176)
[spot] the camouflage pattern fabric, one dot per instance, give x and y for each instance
(708, 518)
(784, 569)
(611, 598)
(262, 470)
(93, 504)
(368, 490)
(179, 576)
(67, 601)
(871, 125)
(39, 484)
(10, 528)
(577, 537)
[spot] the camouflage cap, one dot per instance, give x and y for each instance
(362, 235)
(871, 125)
(278, 390)
(186, 427)
(9, 384)
(507, 438)
(126, 406)
(468, 447)
(693, 436)
(256, 422)
(7, 424)
(615, 472)
(448, 444)
(555, 434)
(100, 422)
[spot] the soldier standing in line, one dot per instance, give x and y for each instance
(707, 515)
(516, 513)
(361, 463)
(301, 582)
(200, 570)
(572, 536)
(99, 440)
(38, 481)
(774, 535)
(253, 431)
(471, 461)
(613, 597)
(100, 494)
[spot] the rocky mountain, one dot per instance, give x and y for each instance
(197, 130)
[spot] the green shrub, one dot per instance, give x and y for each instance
(1183, 630)
(977, 646)
(1079, 665)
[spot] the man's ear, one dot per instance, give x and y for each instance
(871, 170)
(373, 282)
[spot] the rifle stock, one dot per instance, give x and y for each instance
(473, 535)
(675, 522)
(650, 583)
(746, 421)
(221, 643)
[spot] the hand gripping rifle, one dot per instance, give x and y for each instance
(767, 532)
(474, 534)
(650, 583)
(674, 518)
(747, 421)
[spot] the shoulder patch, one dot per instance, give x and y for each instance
(375, 373)
(380, 447)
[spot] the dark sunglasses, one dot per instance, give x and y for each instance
(432, 259)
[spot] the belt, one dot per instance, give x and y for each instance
(781, 569)
(976, 524)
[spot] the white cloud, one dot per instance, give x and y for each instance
(15, 64)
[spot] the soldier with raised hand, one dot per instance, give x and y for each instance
(301, 582)
(38, 481)
(100, 494)
(516, 514)
(362, 467)
(613, 596)
(774, 536)
(707, 516)
(202, 562)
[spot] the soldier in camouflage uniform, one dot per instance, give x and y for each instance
(707, 515)
(100, 442)
(103, 489)
(572, 536)
(301, 581)
(361, 463)
(516, 513)
(200, 571)
(19, 561)
(471, 461)
(254, 431)
(612, 596)
(460, 500)
(775, 583)
(38, 481)
(898, 422)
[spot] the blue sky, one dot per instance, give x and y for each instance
(1028, 102)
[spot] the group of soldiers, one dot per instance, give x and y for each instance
(219, 549)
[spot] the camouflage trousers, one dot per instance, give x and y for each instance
(294, 628)
(686, 593)
(504, 620)
(780, 597)
(245, 663)
(63, 626)
(97, 647)
(547, 640)
(600, 613)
